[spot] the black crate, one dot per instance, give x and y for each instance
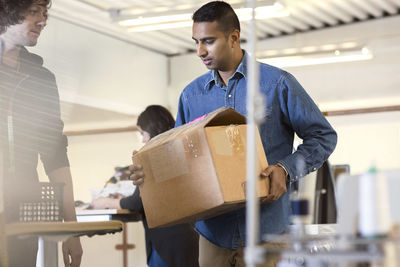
(42, 203)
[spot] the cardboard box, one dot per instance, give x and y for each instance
(197, 170)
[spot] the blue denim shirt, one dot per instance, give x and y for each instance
(289, 110)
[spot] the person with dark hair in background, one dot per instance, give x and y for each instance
(172, 246)
(289, 110)
(30, 122)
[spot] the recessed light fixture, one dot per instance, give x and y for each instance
(317, 58)
(180, 17)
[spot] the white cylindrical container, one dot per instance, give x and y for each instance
(374, 211)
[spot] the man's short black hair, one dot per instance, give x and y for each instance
(221, 12)
(12, 11)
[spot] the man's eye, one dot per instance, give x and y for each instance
(209, 42)
(33, 12)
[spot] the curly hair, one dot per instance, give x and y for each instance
(11, 11)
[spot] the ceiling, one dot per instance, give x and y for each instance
(304, 16)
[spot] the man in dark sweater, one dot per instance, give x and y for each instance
(30, 123)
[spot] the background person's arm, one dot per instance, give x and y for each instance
(105, 203)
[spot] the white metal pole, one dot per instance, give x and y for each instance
(40, 256)
(252, 207)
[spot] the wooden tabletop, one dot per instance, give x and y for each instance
(63, 228)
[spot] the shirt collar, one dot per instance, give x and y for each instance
(214, 77)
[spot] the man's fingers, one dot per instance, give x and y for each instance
(276, 190)
(268, 199)
(137, 175)
(267, 172)
(76, 260)
(277, 185)
(138, 181)
(135, 167)
(273, 195)
(136, 170)
(72, 252)
(66, 257)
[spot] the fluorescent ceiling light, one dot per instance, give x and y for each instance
(336, 56)
(143, 23)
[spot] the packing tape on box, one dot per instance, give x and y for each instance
(192, 145)
(228, 141)
(235, 139)
(169, 161)
(172, 159)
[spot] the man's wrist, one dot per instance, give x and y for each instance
(283, 167)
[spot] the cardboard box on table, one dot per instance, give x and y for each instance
(197, 170)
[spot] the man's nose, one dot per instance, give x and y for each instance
(42, 21)
(201, 50)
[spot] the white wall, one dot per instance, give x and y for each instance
(100, 71)
(93, 158)
(367, 139)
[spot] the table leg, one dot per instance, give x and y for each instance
(124, 246)
(40, 259)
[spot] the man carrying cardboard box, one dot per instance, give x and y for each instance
(216, 32)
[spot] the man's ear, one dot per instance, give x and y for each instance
(235, 38)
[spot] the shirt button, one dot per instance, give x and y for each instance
(229, 96)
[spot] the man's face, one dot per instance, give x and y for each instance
(213, 47)
(28, 31)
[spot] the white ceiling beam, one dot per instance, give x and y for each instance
(269, 30)
(77, 6)
(298, 24)
(303, 16)
(279, 25)
(386, 5)
(333, 11)
(182, 40)
(186, 33)
(396, 3)
(383, 30)
(369, 8)
(260, 33)
(347, 6)
(312, 11)
(151, 43)
(99, 24)
(176, 46)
